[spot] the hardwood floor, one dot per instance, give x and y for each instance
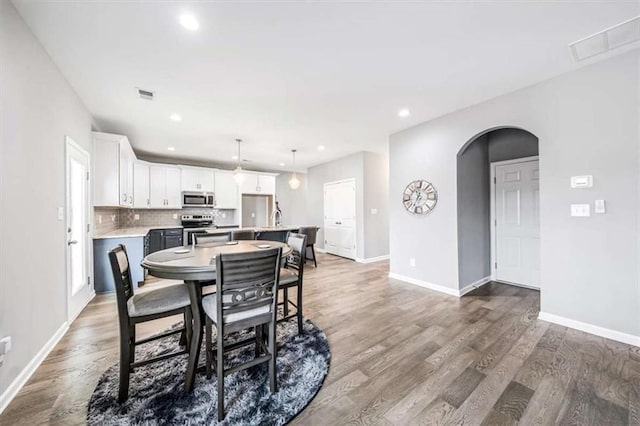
(400, 355)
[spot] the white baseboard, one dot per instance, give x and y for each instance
(373, 259)
(425, 284)
(26, 373)
(319, 250)
(618, 336)
(474, 285)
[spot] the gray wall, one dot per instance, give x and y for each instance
(38, 108)
(376, 196)
(587, 123)
(343, 168)
(507, 144)
(474, 238)
(293, 203)
(254, 210)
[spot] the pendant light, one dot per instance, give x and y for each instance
(294, 182)
(238, 176)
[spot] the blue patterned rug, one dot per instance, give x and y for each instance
(156, 394)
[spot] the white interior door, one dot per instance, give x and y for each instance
(79, 284)
(517, 210)
(340, 218)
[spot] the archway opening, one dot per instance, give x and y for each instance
(497, 199)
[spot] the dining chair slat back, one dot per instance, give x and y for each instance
(137, 308)
(243, 234)
(246, 297)
(212, 238)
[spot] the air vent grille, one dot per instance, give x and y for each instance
(146, 94)
(614, 37)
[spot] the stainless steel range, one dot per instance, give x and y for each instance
(196, 224)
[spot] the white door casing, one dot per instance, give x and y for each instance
(516, 230)
(78, 242)
(340, 218)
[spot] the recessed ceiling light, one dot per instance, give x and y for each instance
(320, 147)
(235, 157)
(175, 117)
(171, 148)
(404, 113)
(189, 22)
(281, 164)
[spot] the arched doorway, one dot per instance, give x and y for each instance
(498, 209)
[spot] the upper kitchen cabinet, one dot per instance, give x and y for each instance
(141, 198)
(226, 191)
(197, 179)
(258, 183)
(113, 161)
(164, 187)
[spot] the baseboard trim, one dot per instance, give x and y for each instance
(319, 250)
(425, 284)
(474, 285)
(26, 373)
(607, 333)
(373, 259)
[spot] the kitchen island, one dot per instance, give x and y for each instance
(271, 233)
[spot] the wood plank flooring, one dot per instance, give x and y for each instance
(401, 355)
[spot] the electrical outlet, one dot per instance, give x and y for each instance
(374, 211)
(113, 218)
(136, 217)
(224, 215)
(60, 213)
(253, 215)
(175, 216)
(412, 262)
(99, 219)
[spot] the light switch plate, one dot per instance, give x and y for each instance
(580, 210)
(600, 207)
(374, 211)
(60, 213)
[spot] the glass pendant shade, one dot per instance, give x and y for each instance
(238, 176)
(294, 182)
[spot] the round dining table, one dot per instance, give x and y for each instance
(196, 266)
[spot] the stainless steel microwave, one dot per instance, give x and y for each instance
(198, 199)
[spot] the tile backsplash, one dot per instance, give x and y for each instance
(114, 218)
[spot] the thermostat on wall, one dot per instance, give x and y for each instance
(581, 181)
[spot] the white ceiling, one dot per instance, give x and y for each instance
(285, 75)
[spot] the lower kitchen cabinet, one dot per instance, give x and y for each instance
(160, 239)
(102, 275)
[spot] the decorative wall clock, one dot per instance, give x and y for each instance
(420, 197)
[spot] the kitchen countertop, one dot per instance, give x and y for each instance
(137, 231)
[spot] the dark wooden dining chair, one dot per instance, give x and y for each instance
(291, 276)
(312, 233)
(142, 307)
(212, 238)
(246, 297)
(243, 234)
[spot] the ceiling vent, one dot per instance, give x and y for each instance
(145, 94)
(606, 40)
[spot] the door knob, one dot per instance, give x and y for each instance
(72, 242)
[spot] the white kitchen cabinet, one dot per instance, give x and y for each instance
(141, 185)
(164, 187)
(255, 183)
(113, 170)
(197, 179)
(226, 190)
(127, 158)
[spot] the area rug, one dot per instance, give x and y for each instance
(157, 397)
